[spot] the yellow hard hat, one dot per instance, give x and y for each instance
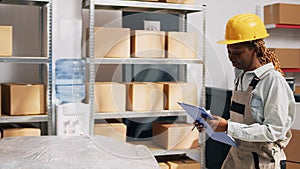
(243, 28)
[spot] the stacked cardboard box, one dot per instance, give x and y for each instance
(121, 43)
(175, 136)
(15, 132)
(178, 162)
(288, 58)
(6, 36)
(23, 99)
(143, 96)
(148, 44)
(163, 165)
(184, 164)
(179, 92)
(296, 124)
(0, 102)
(291, 165)
(292, 149)
(280, 13)
(110, 97)
(113, 130)
(297, 89)
(111, 42)
(182, 45)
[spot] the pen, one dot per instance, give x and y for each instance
(193, 128)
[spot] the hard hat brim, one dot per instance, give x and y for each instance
(229, 42)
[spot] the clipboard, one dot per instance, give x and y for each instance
(200, 115)
(196, 112)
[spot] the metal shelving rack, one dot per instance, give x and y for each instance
(288, 27)
(137, 6)
(44, 59)
(278, 26)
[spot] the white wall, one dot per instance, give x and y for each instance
(66, 28)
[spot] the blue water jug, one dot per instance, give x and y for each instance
(70, 80)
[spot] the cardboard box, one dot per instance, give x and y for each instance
(292, 149)
(297, 89)
(182, 45)
(148, 44)
(113, 130)
(6, 38)
(291, 165)
(14, 132)
(280, 13)
(296, 124)
(0, 102)
(163, 165)
(110, 97)
(179, 1)
(23, 99)
(144, 96)
(175, 136)
(184, 164)
(111, 42)
(180, 92)
(288, 58)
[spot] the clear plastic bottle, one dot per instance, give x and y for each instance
(70, 80)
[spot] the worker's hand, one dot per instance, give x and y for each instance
(199, 126)
(218, 124)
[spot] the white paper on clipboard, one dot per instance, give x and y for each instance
(199, 114)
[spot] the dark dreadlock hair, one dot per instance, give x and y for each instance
(265, 55)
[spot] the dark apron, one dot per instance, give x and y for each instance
(252, 155)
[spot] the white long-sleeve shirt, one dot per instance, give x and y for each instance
(273, 107)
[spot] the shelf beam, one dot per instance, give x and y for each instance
(144, 61)
(138, 6)
(271, 26)
(25, 2)
(23, 119)
(129, 114)
(30, 60)
(291, 70)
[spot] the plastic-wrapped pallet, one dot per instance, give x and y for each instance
(76, 152)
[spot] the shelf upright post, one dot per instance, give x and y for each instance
(42, 66)
(91, 64)
(203, 56)
(50, 80)
(202, 135)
